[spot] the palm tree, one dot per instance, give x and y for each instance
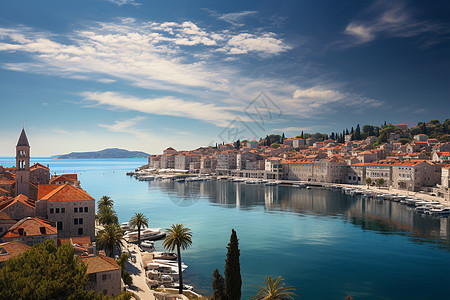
(105, 201)
(274, 290)
(107, 216)
(110, 237)
(179, 237)
(139, 220)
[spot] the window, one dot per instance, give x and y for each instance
(75, 209)
(57, 210)
(63, 210)
(80, 221)
(51, 210)
(104, 277)
(85, 209)
(59, 225)
(80, 231)
(80, 210)
(75, 221)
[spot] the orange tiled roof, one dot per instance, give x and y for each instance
(64, 192)
(4, 180)
(99, 263)
(12, 249)
(21, 198)
(64, 177)
(4, 216)
(38, 166)
(82, 240)
(31, 227)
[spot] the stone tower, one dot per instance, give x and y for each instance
(23, 165)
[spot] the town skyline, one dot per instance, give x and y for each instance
(91, 75)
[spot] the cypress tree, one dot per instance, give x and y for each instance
(353, 131)
(282, 138)
(358, 133)
(332, 135)
(233, 281)
(218, 286)
(302, 133)
(346, 132)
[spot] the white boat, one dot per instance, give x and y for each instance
(270, 183)
(165, 255)
(299, 185)
(439, 211)
(148, 246)
(146, 178)
(250, 182)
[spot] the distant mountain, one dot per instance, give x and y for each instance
(106, 153)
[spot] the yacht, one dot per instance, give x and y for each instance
(148, 246)
(439, 211)
(165, 256)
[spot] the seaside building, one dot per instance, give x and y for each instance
(104, 274)
(30, 231)
(72, 208)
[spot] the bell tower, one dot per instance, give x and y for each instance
(23, 165)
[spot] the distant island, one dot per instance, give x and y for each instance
(106, 153)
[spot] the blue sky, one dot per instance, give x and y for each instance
(145, 75)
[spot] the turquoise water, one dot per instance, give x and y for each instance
(326, 244)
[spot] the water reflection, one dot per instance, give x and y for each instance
(368, 214)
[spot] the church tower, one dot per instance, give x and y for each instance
(23, 165)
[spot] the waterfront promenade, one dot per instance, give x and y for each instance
(135, 267)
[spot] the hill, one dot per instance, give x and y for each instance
(106, 153)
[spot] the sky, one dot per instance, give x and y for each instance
(146, 75)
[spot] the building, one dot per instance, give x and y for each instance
(39, 174)
(19, 207)
(22, 166)
(226, 160)
(252, 144)
(297, 142)
(71, 179)
(104, 274)
(421, 137)
(31, 231)
(413, 175)
(11, 249)
(381, 169)
(6, 222)
(72, 208)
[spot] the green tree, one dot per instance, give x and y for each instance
(218, 286)
(109, 238)
(107, 216)
(274, 145)
(178, 237)
(105, 201)
(45, 272)
(126, 277)
(274, 290)
(368, 181)
(138, 221)
(358, 133)
(233, 281)
(380, 182)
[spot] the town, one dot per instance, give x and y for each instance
(390, 156)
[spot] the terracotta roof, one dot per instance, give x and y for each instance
(82, 240)
(38, 166)
(31, 226)
(64, 192)
(64, 178)
(3, 190)
(23, 141)
(21, 198)
(4, 180)
(99, 263)
(4, 216)
(12, 249)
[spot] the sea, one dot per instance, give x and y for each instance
(324, 243)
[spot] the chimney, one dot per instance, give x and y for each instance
(42, 229)
(20, 231)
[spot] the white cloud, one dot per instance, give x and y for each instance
(392, 19)
(235, 18)
(169, 106)
(147, 54)
(124, 2)
(266, 44)
(318, 99)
